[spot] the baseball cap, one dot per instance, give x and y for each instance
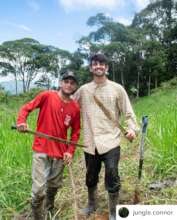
(69, 75)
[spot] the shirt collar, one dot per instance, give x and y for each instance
(100, 84)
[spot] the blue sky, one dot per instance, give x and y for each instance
(59, 22)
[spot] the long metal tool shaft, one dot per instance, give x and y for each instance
(144, 130)
(136, 198)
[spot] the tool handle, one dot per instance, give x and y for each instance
(144, 123)
(140, 168)
(49, 137)
(125, 133)
(13, 127)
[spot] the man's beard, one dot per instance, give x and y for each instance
(99, 74)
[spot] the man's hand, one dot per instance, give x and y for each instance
(130, 135)
(22, 127)
(67, 158)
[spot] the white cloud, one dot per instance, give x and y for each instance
(25, 28)
(33, 5)
(20, 26)
(123, 20)
(140, 4)
(84, 4)
(107, 15)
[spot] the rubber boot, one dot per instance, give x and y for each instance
(112, 202)
(91, 207)
(50, 198)
(38, 209)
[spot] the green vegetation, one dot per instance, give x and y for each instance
(160, 153)
(161, 108)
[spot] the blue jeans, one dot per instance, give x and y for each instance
(93, 166)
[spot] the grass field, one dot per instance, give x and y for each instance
(159, 159)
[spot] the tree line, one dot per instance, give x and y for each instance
(141, 55)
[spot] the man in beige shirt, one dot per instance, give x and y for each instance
(102, 133)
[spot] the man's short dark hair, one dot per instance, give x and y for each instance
(100, 57)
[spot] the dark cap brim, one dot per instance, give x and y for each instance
(70, 77)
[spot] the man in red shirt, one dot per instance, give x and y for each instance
(57, 113)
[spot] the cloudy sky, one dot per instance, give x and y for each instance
(59, 22)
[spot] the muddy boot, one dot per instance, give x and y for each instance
(91, 207)
(112, 202)
(50, 198)
(38, 209)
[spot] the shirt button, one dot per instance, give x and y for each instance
(61, 109)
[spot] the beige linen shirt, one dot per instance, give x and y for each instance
(98, 131)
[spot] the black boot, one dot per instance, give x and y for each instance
(38, 209)
(50, 198)
(112, 202)
(91, 207)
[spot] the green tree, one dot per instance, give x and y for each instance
(18, 59)
(158, 23)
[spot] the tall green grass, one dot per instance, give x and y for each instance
(161, 148)
(15, 162)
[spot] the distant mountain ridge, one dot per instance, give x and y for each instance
(9, 86)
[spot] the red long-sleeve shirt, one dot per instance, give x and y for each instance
(55, 117)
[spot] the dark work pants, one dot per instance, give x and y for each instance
(93, 166)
